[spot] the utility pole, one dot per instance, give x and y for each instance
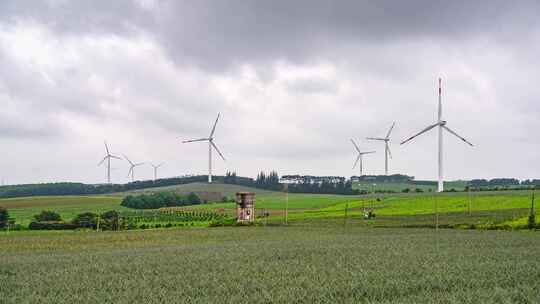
(470, 199)
(286, 204)
(345, 217)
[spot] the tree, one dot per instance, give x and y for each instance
(193, 199)
(110, 220)
(4, 217)
(48, 216)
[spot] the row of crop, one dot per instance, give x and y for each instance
(176, 216)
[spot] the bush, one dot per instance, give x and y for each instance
(222, 221)
(48, 216)
(4, 217)
(406, 190)
(51, 226)
(85, 220)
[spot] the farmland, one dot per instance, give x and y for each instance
(412, 209)
(327, 252)
(302, 264)
(23, 209)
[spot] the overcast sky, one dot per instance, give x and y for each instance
(293, 80)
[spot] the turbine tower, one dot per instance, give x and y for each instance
(442, 126)
(132, 167)
(155, 170)
(107, 158)
(386, 147)
(359, 158)
(211, 145)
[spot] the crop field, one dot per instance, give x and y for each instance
(294, 264)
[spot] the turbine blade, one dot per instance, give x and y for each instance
(214, 127)
(375, 138)
(215, 147)
(107, 148)
(126, 158)
(355, 145)
(390, 131)
(138, 164)
(160, 165)
(129, 172)
(194, 140)
(114, 156)
(389, 152)
(102, 161)
(455, 134)
(420, 133)
(369, 152)
(356, 162)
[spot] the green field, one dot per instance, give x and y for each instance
(295, 264)
(413, 209)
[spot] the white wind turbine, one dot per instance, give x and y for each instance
(386, 147)
(360, 155)
(442, 125)
(107, 158)
(132, 167)
(155, 169)
(211, 145)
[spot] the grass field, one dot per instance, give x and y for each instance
(295, 264)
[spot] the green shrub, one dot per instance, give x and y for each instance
(48, 216)
(531, 221)
(49, 225)
(222, 221)
(86, 220)
(4, 217)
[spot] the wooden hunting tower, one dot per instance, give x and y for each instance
(245, 207)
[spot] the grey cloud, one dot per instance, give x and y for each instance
(218, 34)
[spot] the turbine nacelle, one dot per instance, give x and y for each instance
(211, 146)
(387, 152)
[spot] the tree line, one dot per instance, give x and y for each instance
(160, 200)
(503, 182)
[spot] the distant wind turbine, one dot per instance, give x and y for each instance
(386, 147)
(359, 158)
(211, 145)
(132, 168)
(107, 158)
(155, 169)
(442, 125)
